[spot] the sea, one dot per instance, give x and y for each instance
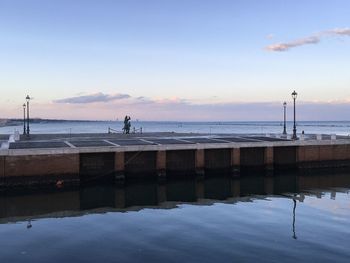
(262, 127)
(285, 218)
(291, 216)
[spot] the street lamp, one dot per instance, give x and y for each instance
(24, 119)
(284, 118)
(28, 99)
(294, 96)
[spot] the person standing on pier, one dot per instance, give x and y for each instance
(127, 124)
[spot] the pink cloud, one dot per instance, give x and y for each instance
(314, 39)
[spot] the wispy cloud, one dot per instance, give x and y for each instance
(313, 39)
(92, 98)
(185, 110)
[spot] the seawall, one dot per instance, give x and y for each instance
(75, 164)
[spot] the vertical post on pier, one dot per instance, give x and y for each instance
(200, 162)
(236, 161)
(269, 160)
(161, 164)
(119, 165)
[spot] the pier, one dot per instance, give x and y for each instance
(74, 158)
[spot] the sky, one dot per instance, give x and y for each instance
(181, 60)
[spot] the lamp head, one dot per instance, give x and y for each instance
(284, 104)
(27, 98)
(24, 105)
(294, 94)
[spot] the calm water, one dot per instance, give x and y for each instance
(286, 218)
(341, 128)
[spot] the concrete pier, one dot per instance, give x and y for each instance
(88, 158)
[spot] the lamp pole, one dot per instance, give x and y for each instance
(294, 96)
(284, 118)
(24, 119)
(28, 99)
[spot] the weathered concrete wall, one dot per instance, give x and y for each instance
(252, 158)
(340, 152)
(285, 157)
(141, 163)
(181, 161)
(217, 159)
(96, 164)
(185, 161)
(323, 156)
(39, 165)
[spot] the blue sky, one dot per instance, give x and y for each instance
(174, 59)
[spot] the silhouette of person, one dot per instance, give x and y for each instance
(127, 124)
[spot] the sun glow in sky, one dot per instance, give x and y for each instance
(176, 59)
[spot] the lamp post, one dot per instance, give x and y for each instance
(294, 96)
(24, 119)
(28, 99)
(284, 118)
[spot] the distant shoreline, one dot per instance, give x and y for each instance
(16, 122)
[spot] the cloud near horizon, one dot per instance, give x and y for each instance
(310, 40)
(93, 98)
(178, 109)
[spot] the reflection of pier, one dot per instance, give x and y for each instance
(135, 196)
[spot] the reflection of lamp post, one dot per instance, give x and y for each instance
(284, 118)
(24, 119)
(295, 205)
(28, 99)
(294, 137)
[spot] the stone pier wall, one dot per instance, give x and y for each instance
(323, 156)
(168, 160)
(39, 165)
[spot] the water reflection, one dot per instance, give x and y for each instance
(136, 195)
(294, 207)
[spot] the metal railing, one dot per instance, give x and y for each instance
(134, 130)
